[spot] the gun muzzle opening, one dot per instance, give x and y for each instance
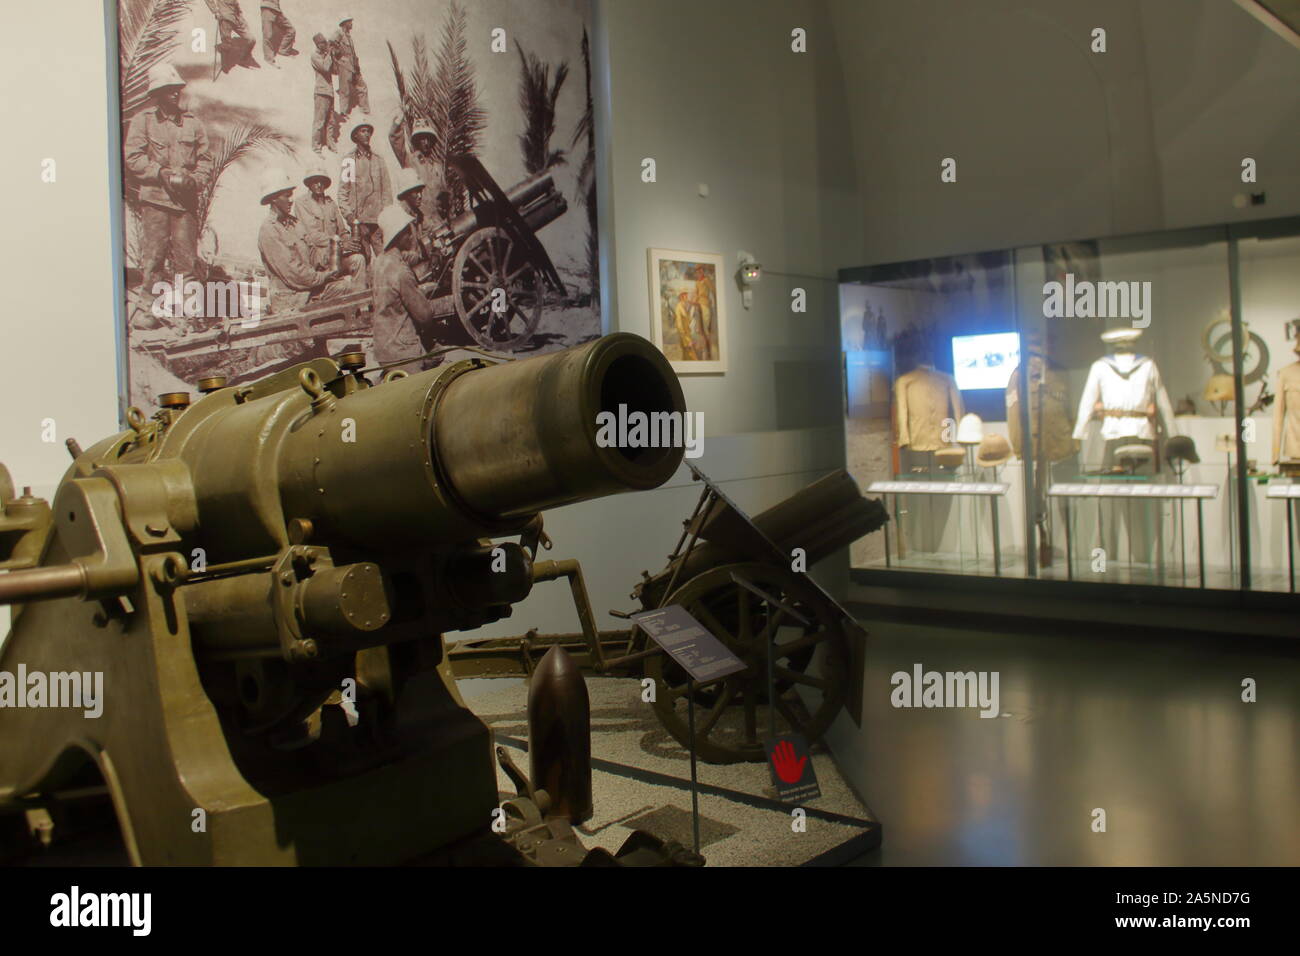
(633, 385)
(541, 448)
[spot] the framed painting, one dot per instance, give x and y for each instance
(688, 314)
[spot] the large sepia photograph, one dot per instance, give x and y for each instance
(393, 177)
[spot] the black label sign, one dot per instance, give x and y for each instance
(687, 642)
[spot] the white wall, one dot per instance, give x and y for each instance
(1052, 141)
(56, 246)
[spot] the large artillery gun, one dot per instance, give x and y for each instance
(262, 581)
(492, 246)
(745, 580)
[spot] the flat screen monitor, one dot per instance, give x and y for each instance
(986, 360)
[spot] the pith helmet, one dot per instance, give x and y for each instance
(316, 172)
(423, 130)
(994, 450)
(162, 75)
(1182, 448)
(407, 179)
(392, 220)
(1220, 388)
(950, 457)
(275, 181)
(352, 130)
(970, 430)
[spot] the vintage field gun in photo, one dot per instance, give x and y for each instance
(743, 580)
(492, 245)
(264, 577)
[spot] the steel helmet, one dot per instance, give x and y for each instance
(392, 220)
(1182, 448)
(275, 181)
(162, 75)
(407, 179)
(970, 430)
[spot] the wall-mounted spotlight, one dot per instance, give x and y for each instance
(748, 276)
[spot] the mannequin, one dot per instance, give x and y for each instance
(1286, 416)
(1125, 393)
(924, 398)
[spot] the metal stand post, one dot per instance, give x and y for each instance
(771, 674)
(885, 529)
(1182, 526)
(1069, 542)
(695, 794)
(1290, 540)
(975, 506)
(1200, 540)
(997, 543)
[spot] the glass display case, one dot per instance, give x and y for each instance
(1122, 410)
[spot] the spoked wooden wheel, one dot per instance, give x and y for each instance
(496, 288)
(732, 715)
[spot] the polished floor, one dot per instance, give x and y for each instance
(1152, 731)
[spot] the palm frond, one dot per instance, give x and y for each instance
(452, 97)
(586, 127)
(400, 78)
(538, 95)
(147, 34)
(231, 147)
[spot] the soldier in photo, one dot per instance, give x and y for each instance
(410, 195)
(352, 86)
(325, 121)
(331, 242)
(287, 254)
(365, 189)
(167, 158)
(277, 33)
(418, 155)
(404, 320)
(234, 40)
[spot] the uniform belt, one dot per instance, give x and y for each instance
(1125, 413)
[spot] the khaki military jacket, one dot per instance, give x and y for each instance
(923, 398)
(1286, 415)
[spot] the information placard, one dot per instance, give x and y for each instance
(939, 487)
(689, 643)
(1133, 490)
